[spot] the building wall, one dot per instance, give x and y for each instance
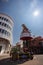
(6, 28)
(37, 45)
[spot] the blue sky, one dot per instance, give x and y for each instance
(21, 12)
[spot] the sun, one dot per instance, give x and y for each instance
(36, 13)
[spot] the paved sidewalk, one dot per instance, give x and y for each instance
(38, 60)
(2, 56)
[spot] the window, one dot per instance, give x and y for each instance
(0, 17)
(5, 25)
(9, 28)
(4, 19)
(5, 32)
(0, 23)
(8, 34)
(40, 43)
(2, 31)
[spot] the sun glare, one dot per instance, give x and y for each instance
(36, 13)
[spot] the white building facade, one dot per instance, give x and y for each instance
(6, 28)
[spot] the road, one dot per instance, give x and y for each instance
(38, 60)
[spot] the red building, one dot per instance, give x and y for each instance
(31, 44)
(37, 45)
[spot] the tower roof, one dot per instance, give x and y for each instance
(25, 34)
